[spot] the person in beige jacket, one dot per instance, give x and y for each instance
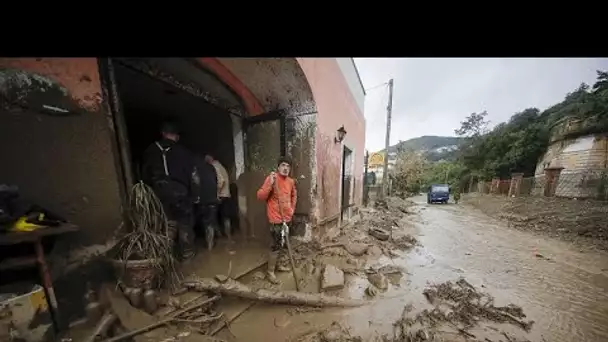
(223, 193)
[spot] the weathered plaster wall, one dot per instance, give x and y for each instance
(586, 153)
(63, 163)
(272, 83)
(584, 161)
(336, 106)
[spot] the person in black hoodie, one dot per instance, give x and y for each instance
(170, 169)
(209, 201)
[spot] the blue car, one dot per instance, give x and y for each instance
(438, 193)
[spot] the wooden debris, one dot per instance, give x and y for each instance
(233, 288)
(133, 319)
(226, 322)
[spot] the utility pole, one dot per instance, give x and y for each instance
(366, 180)
(389, 110)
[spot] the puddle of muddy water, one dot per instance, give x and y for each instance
(564, 292)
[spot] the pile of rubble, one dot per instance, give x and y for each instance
(380, 230)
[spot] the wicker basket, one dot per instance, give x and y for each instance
(137, 273)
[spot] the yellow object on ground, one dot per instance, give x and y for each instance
(22, 224)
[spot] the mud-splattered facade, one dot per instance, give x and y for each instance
(65, 162)
(339, 104)
(70, 162)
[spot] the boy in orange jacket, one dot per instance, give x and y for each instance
(279, 192)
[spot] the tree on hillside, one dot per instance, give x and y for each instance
(518, 144)
(451, 173)
(474, 125)
(602, 81)
(408, 172)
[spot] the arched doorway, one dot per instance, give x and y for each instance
(280, 120)
(267, 104)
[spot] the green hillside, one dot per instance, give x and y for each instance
(433, 147)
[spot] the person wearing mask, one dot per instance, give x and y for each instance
(169, 169)
(279, 193)
(207, 209)
(223, 193)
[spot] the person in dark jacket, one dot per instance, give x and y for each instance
(169, 168)
(207, 209)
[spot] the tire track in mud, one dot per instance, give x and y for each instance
(561, 288)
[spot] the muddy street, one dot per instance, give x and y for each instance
(560, 287)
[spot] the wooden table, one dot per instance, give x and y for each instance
(35, 237)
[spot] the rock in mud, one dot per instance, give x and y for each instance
(332, 278)
(259, 275)
(356, 249)
(379, 234)
(374, 251)
(391, 269)
(371, 291)
(405, 242)
(378, 280)
(221, 278)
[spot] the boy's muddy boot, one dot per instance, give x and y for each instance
(272, 263)
(283, 268)
(281, 265)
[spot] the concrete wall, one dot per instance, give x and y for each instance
(65, 164)
(588, 152)
(336, 106)
(584, 161)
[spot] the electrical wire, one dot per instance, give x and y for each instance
(376, 86)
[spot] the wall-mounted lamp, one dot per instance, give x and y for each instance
(341, 134)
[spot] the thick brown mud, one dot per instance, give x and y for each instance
(581, 222)
(560, 287)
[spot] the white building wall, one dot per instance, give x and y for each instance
(349, 70)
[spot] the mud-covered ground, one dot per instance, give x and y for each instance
(583, 222)
(432, 273)
(467, 277)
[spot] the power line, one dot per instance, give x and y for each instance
(376, 86)
(374, 112)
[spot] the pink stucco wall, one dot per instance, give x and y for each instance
(336, 107)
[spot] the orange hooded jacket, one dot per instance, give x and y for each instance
(287, 196)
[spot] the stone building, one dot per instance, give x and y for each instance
(575, 161)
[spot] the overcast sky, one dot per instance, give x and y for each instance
(432, 95)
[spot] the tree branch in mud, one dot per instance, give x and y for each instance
(467, 306)
(233, 288)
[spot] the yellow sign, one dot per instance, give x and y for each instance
(376, 159)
